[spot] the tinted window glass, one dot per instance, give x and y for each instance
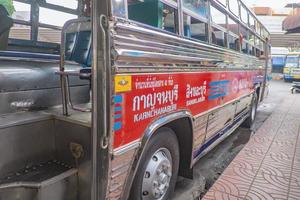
(234, 7)
(218, 37)
(197, 6)
(154, 13)
(233, 42)
(194, 28)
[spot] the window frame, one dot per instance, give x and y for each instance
(34, 22)
(176, 19)
(206, 27)
(247, 12)
(194, 14)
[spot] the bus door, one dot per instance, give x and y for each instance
(101, 99)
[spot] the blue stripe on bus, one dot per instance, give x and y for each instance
(118, 99)
(117, 116)
(215, 83)
(117, 126)
(217, 136)
(118, 108)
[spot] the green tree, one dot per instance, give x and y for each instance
(8, 5)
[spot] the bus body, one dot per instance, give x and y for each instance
(291, 69)
(138, 93)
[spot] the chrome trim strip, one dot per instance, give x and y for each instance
(123, 149)
(214, 144)
(134, 43)
(223, 105)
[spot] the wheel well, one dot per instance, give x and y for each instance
(184, 132)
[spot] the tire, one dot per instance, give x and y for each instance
(252, 113)
(162, 147)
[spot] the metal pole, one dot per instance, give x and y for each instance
(101, 99)
(34, 18)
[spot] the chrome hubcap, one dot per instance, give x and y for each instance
(158, 175)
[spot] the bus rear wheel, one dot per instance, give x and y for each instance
(157, 173)
(252, 112)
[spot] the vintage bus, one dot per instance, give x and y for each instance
(114, 99)
(291, 69)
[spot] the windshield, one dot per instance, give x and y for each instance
(292, 61)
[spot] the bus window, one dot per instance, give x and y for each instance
(218, 37)
(252, 22)
(233, 42)
(292, 61)
(119, 8)
(57, 18)
(155, 13)
(244, 15)
(21, 31)
(194, 28)
(22, 11)
(68, 4)
(251, 50)
(245, 47)
(234, 7)
(197, 6)
(217, 17)
(233, 36)
(251, 38)
(244, 37)
(219, 26)
(258, 28)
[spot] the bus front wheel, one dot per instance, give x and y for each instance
(157, 173)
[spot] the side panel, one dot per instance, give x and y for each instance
(142, 98)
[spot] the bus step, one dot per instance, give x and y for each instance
(43, 181)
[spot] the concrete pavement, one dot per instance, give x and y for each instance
(268, 167)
